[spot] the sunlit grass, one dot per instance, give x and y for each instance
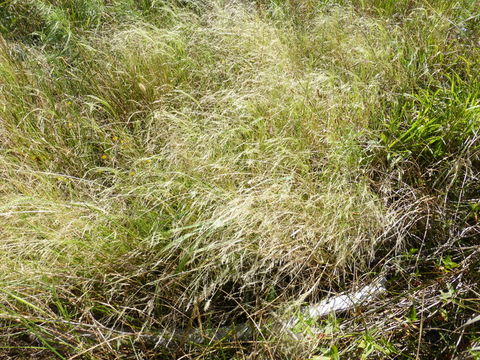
(160, 156)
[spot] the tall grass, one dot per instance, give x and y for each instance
(173, 164)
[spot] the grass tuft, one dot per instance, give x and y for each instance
(180, 164)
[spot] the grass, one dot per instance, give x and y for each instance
(187, 164)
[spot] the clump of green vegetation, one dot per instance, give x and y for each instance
(185, 164)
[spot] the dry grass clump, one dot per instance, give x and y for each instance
(208, 163)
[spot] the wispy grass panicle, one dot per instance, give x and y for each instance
(181, 164)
